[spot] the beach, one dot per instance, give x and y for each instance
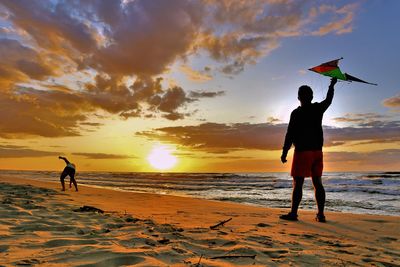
(40, 225)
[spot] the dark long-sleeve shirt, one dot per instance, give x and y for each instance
(305, 125)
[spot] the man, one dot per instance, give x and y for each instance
(305, 133)
(68, 170)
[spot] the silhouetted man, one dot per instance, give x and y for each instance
(305, 133)
(68, 170)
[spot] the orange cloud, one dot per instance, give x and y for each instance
(392, 102)
(103, 156)
(21, 63)
(224, 138)
(33, 112)
(11, 151)
(195, 75)
(27, 111)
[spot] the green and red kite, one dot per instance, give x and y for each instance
(331, 69)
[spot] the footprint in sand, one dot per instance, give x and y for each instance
(27, 262)
(7, 200)
(229, 244)
(264, 240)
(69, 242)
(276, 254)
(150, 242)
(295, 246)
(342, 251)
(375, 221)
(387, 239)
(337, 244)
(116, 261)
(3, 248)
(263, 225)
(179, 250)
(391, 253)
(308, 236)
(113, 225)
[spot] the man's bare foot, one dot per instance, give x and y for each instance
(320, 218)
(289, 217)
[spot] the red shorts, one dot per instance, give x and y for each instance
(307, 163)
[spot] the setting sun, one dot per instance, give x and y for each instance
(160, 158)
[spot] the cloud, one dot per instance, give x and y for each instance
(273, 120)
(376, 132)
(120, 49)
(145, 37)
(367, 128)
(21, 63)
(377, 158)
(340, 25)
(92, 124)
(30, 112)
(11, 151)
(221, 138)
(392, 102)
(195, 76)
(206, 94)
(362, 119)
(174, 98)
(333, 161)
(54, 113)
(103, 156)
(224, 138)
(208, 156)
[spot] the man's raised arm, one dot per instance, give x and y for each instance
(63, 158)
(329, 96)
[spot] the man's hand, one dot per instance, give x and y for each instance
(283, 157)
(333, 82)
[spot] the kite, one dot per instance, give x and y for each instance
(332, 69)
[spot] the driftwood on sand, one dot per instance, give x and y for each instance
(88, 209)
(213, 227)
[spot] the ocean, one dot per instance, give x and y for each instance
(355, 192)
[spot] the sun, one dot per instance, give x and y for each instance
(161, 158)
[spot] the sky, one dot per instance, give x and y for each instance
(193, 86)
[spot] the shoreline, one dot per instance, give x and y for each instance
(346, 237)
(56, 186)
(348, 204)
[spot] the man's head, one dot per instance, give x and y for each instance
(305, 94)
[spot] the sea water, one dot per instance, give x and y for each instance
(355, 192)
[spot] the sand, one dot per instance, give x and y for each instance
(38, 227)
